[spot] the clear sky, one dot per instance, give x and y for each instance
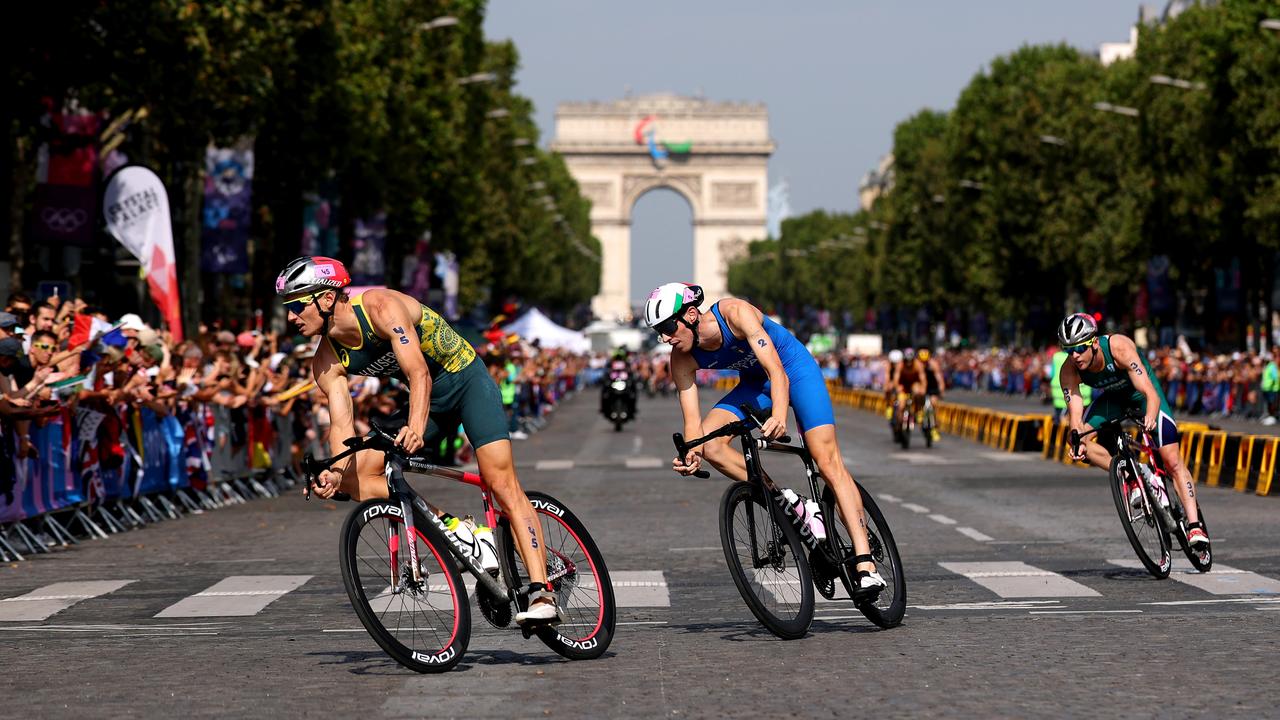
(836, 77)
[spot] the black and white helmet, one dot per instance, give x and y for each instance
(1077, 329)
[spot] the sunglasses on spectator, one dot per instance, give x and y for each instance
(1077, 349)
(298, 305)
(668, 327)
(42, 346)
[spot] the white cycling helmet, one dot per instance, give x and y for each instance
(1077, 329)
(669, 300)
(895, 356)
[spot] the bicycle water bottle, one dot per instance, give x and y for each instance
(1154, 483)
(808, 511)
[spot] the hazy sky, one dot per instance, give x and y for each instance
(836, 77)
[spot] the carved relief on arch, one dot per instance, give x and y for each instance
(690, 186)
(599, 193)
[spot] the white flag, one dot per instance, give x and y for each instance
(136, 208)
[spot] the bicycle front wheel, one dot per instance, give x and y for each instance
(889, 607)
(576, 572)
(767, 562)
(1140, 523)
(423, 626)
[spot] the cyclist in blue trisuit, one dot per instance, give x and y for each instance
(1122, 381)
(776, 373)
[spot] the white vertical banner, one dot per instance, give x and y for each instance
(136, 208)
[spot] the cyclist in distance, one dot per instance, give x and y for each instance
(934, 383)
(911, 380)
(776, 373)
(384, 333)
(891, 382)
(1122, 381)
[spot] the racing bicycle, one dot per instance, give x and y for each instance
(402, 568)
(774, 557)
(1154, 515)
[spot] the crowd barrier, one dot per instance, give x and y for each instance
(1242, 461)
(99, 473)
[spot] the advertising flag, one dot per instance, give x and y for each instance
(136, 208)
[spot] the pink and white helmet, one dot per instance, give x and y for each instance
(311, 274)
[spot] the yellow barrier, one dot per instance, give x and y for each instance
(1204, 451)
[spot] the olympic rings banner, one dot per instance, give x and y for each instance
(136, 208)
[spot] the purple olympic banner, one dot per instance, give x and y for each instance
(228, 191)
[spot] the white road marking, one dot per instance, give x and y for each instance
(1222, 580)
(1215, 601)
(916, 459)
(696, 549)
(1080, 612)
(915, 508)
(1007, 456)
(942, 519)
(889, 498)
(46, 601)
(785, 586)
(238, 595)
(974, 534)
(644, 463)
(993, 605)
(636, 588)
(1019, 580)
(553, 465)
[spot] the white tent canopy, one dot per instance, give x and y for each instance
(533, 325)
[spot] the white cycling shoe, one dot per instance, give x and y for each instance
(543, 610)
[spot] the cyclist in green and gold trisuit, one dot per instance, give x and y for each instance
(1122, 381)
(383, 333)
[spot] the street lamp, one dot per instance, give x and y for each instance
(1271, 24)
(481, 77)
(529, 161)
(521, 142)
(537, 185)
(1177, 82)
(498, 113)
(1053, 140)
(441, 22)
(1117, 109)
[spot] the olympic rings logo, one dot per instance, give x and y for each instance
(64, 220)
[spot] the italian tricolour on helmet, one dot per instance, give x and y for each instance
(669, 300)
(311, 274)
(1076, 329)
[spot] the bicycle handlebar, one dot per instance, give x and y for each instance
(1077, 437)
(376, 439)
(739, 427)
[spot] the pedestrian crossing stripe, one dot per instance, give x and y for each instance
(1222, 580)
(44, 602)
(1014, 583)
(1019, 580)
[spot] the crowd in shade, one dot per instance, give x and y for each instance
(1240, 385)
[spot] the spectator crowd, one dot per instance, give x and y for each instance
(1239, 385)
(91, 404)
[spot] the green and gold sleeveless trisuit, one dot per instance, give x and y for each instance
(1115, 394)
(461, 389)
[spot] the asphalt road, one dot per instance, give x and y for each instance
(1022, 601)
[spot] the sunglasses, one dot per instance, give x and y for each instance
(1077, 349)
(668, 327)
(297, 306)
(42, 346)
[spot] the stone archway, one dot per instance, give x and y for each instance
(713, 154)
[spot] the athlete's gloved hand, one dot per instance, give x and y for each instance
(775, 427)
(1150, 421)
(408, 439)
(687, 465)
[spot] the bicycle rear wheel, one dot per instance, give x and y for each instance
(424, 627)
(767, 562)
(577, 573)
(1141, 525)
(889, 607)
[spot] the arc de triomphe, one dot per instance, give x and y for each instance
(715, 154)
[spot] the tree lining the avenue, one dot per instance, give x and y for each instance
(1147, 189)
